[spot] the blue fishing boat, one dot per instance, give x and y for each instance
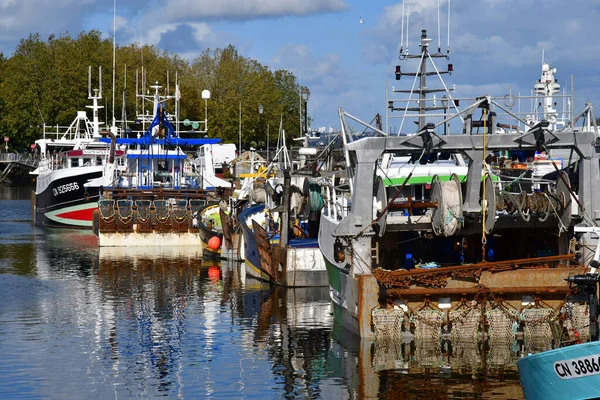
(298, 264)
(571, 372)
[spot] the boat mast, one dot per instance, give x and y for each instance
(114, 125)
(422, 74)
(95, 95)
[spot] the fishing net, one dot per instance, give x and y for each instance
(428, 324)
(502, 324)
(106, 222)
(180, 215)
(144, 216)
(577, 322)
(428, 332)
(163, 220)
(465, 324)
(106, 208)
(537, 330)
(388, 338)
(502, 328)
(125, 215)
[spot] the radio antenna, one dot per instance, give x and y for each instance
(407, 20)
(402, 29)
(438, 28)
(448, 49)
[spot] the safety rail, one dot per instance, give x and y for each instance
(336, 204)
(18, 158)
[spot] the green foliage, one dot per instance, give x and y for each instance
(46, 83)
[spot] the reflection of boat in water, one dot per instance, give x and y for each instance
(426, 370)
(294, 325)
(150, 253)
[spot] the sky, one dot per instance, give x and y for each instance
(345, 51)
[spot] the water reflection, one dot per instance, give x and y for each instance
(81, 321)
(188, 311)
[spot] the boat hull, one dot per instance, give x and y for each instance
(300, 264)
(207, 233)
(250, 252)
(355, 295)
(62, 200)
(562, 373)
(343, 287)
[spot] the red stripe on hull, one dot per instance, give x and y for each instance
(79, 215)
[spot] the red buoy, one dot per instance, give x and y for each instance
(214, 273)
(214, 243)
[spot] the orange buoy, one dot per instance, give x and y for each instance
(214, 243)
(214, 273)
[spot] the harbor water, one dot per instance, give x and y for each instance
(77, 321)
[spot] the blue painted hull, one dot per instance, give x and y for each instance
(571, 372)
(254, 266)
(251, 254)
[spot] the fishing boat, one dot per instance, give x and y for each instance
(572, 370)
(155, 197)
(74, 164)
(460, 251)
(211, 221)
(279, 242)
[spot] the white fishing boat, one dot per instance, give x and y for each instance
(155, 197)
(74, 164)
(440, 242)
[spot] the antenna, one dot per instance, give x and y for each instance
(90, 81)
(438, 27)
(136, 92)
(402, 29)
(448, 49)
(114, 60)
(407, 19)
(543, 56)
(123, 109)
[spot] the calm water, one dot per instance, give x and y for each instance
(81, 322)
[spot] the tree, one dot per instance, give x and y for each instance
(47, 83)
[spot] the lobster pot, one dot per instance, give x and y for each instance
(144, 216)
(388, 338)
(124, 220)
(163, 216)
(106, 222)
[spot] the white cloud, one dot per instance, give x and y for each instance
(311, 69)
(187, 10)
(153, 35)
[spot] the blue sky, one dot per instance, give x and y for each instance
(495, 44)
